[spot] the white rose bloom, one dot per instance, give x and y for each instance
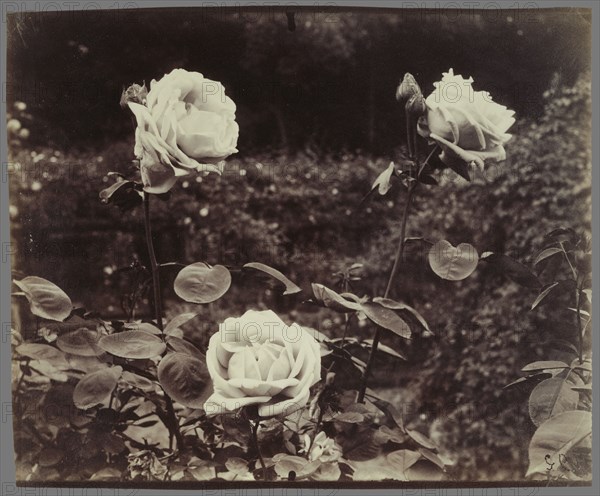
(258, 359)
(187, 124)
(466, 123)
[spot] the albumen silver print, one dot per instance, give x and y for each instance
(311, 246)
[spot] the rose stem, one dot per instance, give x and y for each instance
(399, 255)
(256, 445)
(153, 263)
(408, 134)
(174, 428)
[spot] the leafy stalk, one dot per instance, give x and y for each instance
(154, 267)
(257, 447)
(399, 256)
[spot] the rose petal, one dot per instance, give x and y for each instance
(284, 407)
(255, 387)
(242, 365)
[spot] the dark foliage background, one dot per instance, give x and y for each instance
(318, 122)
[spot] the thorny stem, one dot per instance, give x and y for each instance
(399, 256)
(257, 447)
(154, 266)
(153, 263)
(409, 135)
(397, 260)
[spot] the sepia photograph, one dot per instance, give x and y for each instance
(313, 246)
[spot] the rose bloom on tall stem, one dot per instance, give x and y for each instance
(257, 359)
(466, 123)
(185, 124)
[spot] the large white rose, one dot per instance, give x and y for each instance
(187, 124)
(466, 123)
(258, 359)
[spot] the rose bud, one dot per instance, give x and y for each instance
(135, 93)
(416, 105)
(407, 88)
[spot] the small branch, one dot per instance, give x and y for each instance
(173, 419)
(153, 263)
(397, 260)
(154, 266)
(409, 140)
(401, 243)
(317, 428)
(422, 168)
(257, 447)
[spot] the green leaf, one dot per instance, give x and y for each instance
(421, 439)
(550, 398)
(403, 459)
(203, 473)
(424, 470)
(290, 463)
(390, 411)
(514, 270)
(95, 388)
(123, 194)
(82, 342)
(144, 326)
(545, 292)
(588, 294)
(384, 348)
(185, 378)
(586, 365)
(237, 465)
(133, 344)
(137, 381)
(181, 345)
(556, 437)
(386, 318)
(362, 446)
(428, 179)
(40, 351)
(432, 457)
(329, 471)
(548, 252)
(330, 299)
(396, 305)
(383, 181)
(543, 365)
(178, 321)
(453, 263)
(290, 287)
(200, 283)
(46, 299)
(537, 377)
